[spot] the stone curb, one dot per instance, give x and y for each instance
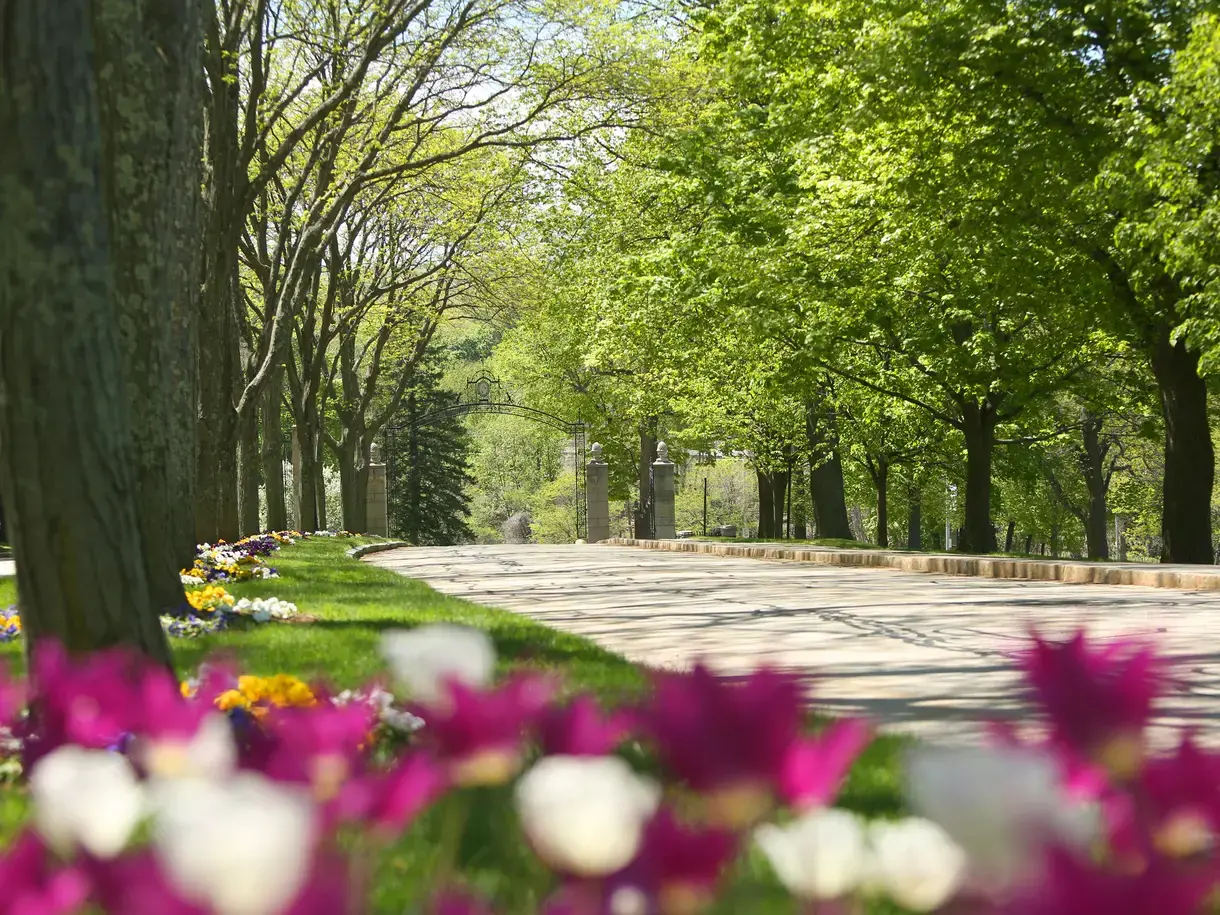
(357, 552)
(1145, 576)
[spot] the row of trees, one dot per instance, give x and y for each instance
(973, 244)
(222, 217)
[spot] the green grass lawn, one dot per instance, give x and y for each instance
(354, 603)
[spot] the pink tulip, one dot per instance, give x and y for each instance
(815, 768)
(479, 733)
(1098, 699)
(728, 740)
(1074, 886)
(33, 885)
(135, 885)
(680, 865)
(582, 729)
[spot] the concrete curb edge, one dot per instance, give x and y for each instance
(358, 552)
(946, 564)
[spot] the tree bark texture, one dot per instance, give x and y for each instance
(149, 56)
(766, 505)
(273, 453)
(800, 494)
(978, 534)
(914, 518)
(1093, 461)
(68, 476)
(216, 514)
(249, 470)
(826, 487)
(1009, 534)
(648, 454)
(880, 472)
(1186, 534)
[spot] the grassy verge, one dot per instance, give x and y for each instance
(354, 603)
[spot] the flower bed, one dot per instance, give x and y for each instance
(276, 779)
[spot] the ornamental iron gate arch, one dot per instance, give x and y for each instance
(485, 394)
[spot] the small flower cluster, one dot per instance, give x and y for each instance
(258, 694)
(393, 719)
(10, 624)
(209, 599)
(238, 561)
(190, 626)
(332, 534)
(265, 609)
(272, 776)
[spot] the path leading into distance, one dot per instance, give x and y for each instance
(925, 654)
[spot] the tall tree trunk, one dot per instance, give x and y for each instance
(800, 493)
(273, 453)
(68, 474)
(648, 454)
(249, 469)
(1029, 544)
(1186, 534)
(307, 508)
(1093, 457)
(826, 474)
(766, 505)
(319, 478)
(880, 472)
(1009, 535)
(914, 517)
(978, 534)
(151, 117)
(780, 480)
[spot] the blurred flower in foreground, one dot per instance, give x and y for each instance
(727, 740)
(86, 798)
(584, 816)
(242, 847)
(425, 659)
(581, 728)
(33, 885)
(479, 734)
(915, 863)
(822, 855)
(815, 768)
(1000, 804)
(1098, 698)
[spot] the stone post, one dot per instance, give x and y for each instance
(597, 496)
(377, 504)
(663, 495)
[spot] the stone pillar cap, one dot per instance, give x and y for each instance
(662, 453)
(596, 451)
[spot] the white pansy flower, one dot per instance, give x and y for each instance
(821, 855)
(585, 816)
(915, 863)
(422, 659)
(240, 847)
(210, 752)
(86, 798)
(999, 804)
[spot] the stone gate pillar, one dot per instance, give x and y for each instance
(597, 496)
(663, 495)
(377, 503)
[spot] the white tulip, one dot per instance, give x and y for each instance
(915, 863)
(585, 816)
(86, 798)
(210, 753)
(423, 659)
(240, 847)
(999, 804)
(822, 855)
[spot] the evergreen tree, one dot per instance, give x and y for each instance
(428, 462)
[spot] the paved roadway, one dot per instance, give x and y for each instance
(7, 568)
(920, 653)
